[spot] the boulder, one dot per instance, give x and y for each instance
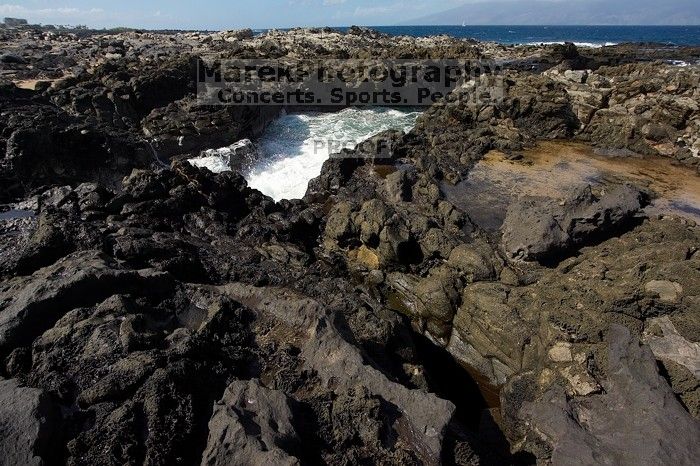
(540, 229)
(11, 58)
(238, 157)
(187, 127)
(28, 425)
(251, 425)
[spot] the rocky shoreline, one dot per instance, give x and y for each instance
(152, 312)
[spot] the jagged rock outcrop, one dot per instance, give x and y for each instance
(33, 305)
(416, 419)
(154, 312)
(43, 145)
(187, 127)
(644, 108)
(118, 333)
(663, 432)
(502, 112)
(542, 228)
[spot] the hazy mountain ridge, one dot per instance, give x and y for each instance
(578, 12)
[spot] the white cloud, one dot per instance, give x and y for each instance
(95, 17)
(60, 15)
(333, 2)
(18, 10)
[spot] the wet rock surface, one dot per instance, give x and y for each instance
(152, 312)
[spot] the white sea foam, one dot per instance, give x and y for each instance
(679, 63)
(593, 45)
(219, 160)
(295, 146)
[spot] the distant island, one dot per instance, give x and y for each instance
(576, 12)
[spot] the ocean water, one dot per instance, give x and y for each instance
(583, 35)
(294, 147)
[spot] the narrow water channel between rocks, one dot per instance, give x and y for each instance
(293, 148)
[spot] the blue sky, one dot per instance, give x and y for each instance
(258, 14)
(220, 14)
